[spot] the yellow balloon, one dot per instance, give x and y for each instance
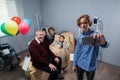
(11, 27)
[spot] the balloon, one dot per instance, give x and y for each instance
(11, 27)
(27, 21)
(4, 31)
(17, 33)
(16, 19)
(23, 28)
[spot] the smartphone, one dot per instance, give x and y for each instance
(90, 40)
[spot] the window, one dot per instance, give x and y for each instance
(7, 10)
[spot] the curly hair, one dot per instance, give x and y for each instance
(50, 28)
(87, 17)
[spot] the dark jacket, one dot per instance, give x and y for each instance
(40, 53)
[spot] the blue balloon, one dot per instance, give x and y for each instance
(27, 21)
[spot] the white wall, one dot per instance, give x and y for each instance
(62, 14)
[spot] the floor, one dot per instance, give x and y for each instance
(104, 72)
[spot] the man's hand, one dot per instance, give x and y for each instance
(52, 67)
(100, 37)
(57, 60)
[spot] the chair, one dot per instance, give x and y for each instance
(64, 53)
(7, 54)
(35, 74)
(30, 71)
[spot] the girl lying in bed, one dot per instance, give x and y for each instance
(61, 43)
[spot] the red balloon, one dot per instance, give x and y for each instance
(16, 19)
(23, 28)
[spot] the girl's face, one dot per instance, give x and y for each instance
(84, 24)
(61, 39)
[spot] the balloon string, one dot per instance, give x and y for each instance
(19, 43)
(22, 43)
